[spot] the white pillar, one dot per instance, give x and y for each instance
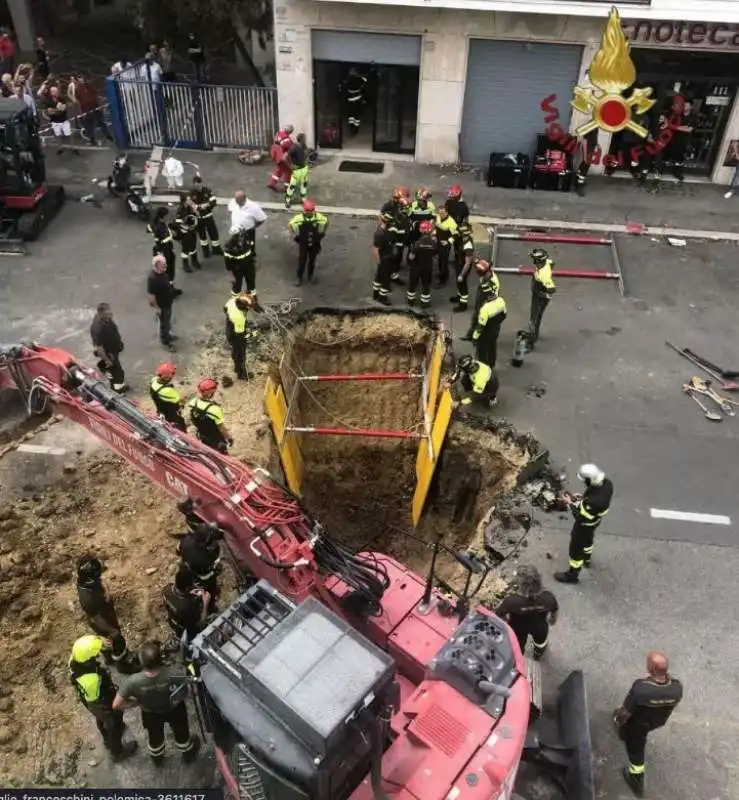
(20, 14)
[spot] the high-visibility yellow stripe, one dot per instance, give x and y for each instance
(636, 769)
(576, 564)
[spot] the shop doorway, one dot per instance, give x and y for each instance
(708, 82)
(388, 115)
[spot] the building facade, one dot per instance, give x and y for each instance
(455, 80)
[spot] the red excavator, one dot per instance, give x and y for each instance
(335, 675)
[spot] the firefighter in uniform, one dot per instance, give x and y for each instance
(422, 266)
(308, 228)
(166, 398)
(238, 333)
(588, 513)
(101, 614)
(200, 551)
(487, 277)
(207, 417)
(647, 707)
(205, 204)
(186, 230)
(240, 260)
(464, 257)
(96, 691)
(530, 610)
(542, 289)
(398, 225)
(163, 240)
(186, 604)
(446, 233)
(479, 382)
(382, 257)
(458, 209)
(355, 97)
(492, 313)
(421, 210)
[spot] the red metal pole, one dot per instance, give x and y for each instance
(560, 273)
(363, 376)
(368, 432)
(554, 238)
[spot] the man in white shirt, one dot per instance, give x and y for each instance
(247, 215)
(150, 70)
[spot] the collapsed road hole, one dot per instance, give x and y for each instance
(359, 486)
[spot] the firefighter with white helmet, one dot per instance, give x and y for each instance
(588, 512)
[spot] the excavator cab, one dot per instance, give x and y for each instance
(27, 203)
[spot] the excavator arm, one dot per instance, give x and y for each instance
(267, 531)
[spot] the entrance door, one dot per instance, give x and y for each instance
(395, 101)
(328, 77)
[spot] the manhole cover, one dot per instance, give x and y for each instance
(367, 167)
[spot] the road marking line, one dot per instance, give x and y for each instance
(689, 516)
(41, 449)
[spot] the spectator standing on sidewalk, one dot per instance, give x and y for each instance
(42, 59)
(166, 60)
(22, 93)
(161, 298)
(92, 111)
(7, 52)
(196, 53)
(6, 85)
(55, 108)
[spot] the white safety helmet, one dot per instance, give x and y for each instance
(591, 474)
(234, 230)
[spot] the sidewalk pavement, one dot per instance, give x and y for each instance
(688, 206)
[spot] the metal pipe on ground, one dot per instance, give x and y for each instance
(561, 273)
(366, 432)
(553, 238)
(364, 376)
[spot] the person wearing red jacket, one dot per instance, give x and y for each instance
(279, 153)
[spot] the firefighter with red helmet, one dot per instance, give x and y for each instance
(488, 278)
(396, 210)
(308, 228)
(422, 266)
(458, 209)
(208, 418)
(166, 398)
(421, 209)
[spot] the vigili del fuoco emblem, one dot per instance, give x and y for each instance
(612, 72)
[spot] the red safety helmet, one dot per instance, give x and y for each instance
(206, 385)
(166, 371)
(423, 193)
(426, 226)
(455, 192)
(309, 206)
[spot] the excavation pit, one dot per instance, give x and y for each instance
(361, 486)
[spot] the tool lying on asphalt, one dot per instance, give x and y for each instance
(727, 386)
(707, 413)
(724, 373)
(704, 387)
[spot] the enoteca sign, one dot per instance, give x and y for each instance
(710, 36)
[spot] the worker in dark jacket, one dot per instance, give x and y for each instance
(542, 289)
(382, 258)
(446, 233)
(101, 614)
(107, 346)
(425, 249)
(308, 228)
(420, 210)
(200, 551)
(479, 382)
(464, 257)
(205, 205)
(485, 335)
(238, 332)
(530, 610)
(207, 417)
(160, 692)
(458, 209)
(187, 605)
(355, 98)
(647, 707)
(240, 260)
(163, 239)
(488, 281)
(96, 691)
(588, 512)
(398, 223)
(167, 400)
(186, 232)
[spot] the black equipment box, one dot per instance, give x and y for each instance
(509, 170)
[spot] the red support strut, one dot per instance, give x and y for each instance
(561, 273)
(554, 238)
(364, 376)
(368, 432)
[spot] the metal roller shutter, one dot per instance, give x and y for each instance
(366, 48)
(506, 82)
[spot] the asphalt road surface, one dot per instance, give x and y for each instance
(612, 394)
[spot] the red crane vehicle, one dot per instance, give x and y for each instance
(336, 675)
